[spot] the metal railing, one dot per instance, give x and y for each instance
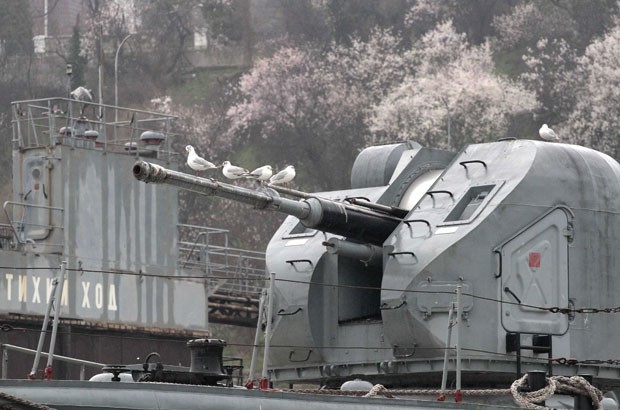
(52, 121)
(82, 363)
(234, 368)
(238, 271)
(19, 227)
(8, 239)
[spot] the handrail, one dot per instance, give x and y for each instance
(222, 250)
(205, 228)
(26, 206)
(229, 269)
(196, 244)
(218, 250)
(5, 347)
(238, 270)
(7, 235)
(164, 116)
(53, 208)
(35, 125)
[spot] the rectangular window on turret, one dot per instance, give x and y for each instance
(471, 204)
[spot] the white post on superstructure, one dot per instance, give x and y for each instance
(100, 71)
(261, 306)
(272, 279)
(46, 320)
(57, 297)
(118, 49)
(5, 362)
(444, 376)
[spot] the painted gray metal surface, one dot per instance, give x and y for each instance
(74, 200)
(523, 226)
(527, 180)
(108, 224)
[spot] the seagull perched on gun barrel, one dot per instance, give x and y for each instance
(233, 172)
(261, 174)
(283, 177)
(547, 133)
(196, 162)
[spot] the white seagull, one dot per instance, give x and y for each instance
(232, 171)
(547, 133)
(82, 94)
(283, 177)
(197, 163)
(261, 174)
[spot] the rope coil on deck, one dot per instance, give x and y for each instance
(575, 385)
(560, 384)
(23, 402)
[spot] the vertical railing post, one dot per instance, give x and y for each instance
(207, 257)
(5, 362)
(227, 262)
(46, 319)
(51, 124)
(57, 300)
(444, 376)
(261, 306)
(272, 279)
(459, 317)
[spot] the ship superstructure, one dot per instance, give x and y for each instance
(133, 271)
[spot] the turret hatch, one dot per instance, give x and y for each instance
(534, 273)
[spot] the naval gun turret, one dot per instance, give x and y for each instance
(366, 277)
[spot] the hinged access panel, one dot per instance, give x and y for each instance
(534, 273)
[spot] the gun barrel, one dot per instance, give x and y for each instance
(322, 214)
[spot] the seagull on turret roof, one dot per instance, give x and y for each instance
(196, 162)
(283, 177)
(233, 172)
(547, 133)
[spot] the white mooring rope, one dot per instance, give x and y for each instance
(559, 384)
